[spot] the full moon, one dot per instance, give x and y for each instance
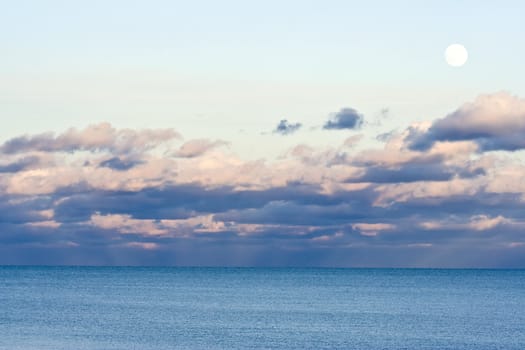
(456, 55)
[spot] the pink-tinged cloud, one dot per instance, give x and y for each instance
(494, 122)
(99, 137)
(195, 148)
(367, 229)
(429, 191)
(476, 223)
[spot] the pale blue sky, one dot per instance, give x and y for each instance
(211, 69)
(449, 195)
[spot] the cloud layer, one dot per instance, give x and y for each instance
(433, 195)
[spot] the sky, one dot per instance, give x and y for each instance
(275, 133)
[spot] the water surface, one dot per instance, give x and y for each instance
(243, 308)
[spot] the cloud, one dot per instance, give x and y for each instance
(118, 163)
(475, 222)
(103, 195)
(385, 137)
(19, 164)
(126, 224)
(94, 138)
(286, 128)
(142, 245)
(352, 140)
(367, 229)
(416, 172)
(196, 148)
(493, 122)
(346, 118)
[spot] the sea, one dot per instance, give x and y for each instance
(124, 308)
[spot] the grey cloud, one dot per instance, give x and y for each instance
(346, 118)
(290, 213)
(183, 201)
(386, 136)
(118, 163)
(19, 165)
(286, 128)
(294, 217)
(414, 172)
(20, 210)
(197, 147)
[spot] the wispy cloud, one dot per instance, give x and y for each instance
(195, 148)
(100, 137)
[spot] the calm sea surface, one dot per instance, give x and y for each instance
(241, 308)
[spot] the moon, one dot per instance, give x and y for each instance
(456, 55)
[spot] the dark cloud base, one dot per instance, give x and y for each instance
(346, 118)
(239, 255)
(299, 229)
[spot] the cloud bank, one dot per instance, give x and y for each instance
(433, 195)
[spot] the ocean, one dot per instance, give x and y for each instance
(260, 308)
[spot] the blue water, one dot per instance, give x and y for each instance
(229, 308)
